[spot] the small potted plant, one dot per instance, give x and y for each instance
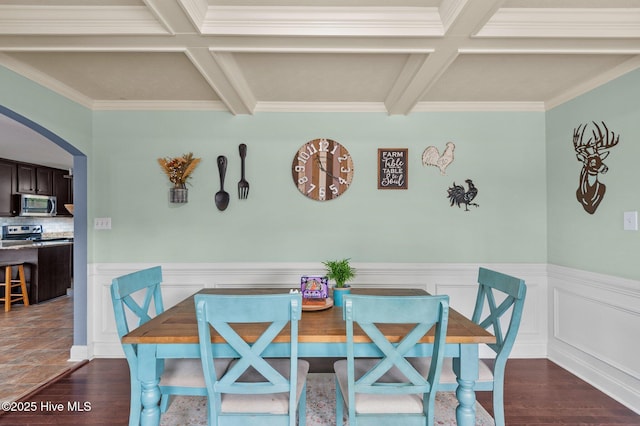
(341, 272)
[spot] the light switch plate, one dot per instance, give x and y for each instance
(630, 221)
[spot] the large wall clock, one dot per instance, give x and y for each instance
(322, 169)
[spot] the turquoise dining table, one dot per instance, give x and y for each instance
(174, 334)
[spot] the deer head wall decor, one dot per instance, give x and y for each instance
(591, 153)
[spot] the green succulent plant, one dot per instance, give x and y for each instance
(340, 271)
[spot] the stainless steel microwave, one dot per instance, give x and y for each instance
(35, 205)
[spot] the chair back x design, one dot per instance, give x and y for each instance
(503, 296)
(137, 297)
(390, 390)
(514, 291)
(254, 390)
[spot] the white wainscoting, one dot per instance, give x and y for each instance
(587, 323)
(594, 330)
(459, 281)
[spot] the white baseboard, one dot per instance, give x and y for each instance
(78, 353)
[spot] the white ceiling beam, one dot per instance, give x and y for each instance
(404, 80)
(425, 76)
(84, 20)
(225, 77)
(559, 22)
(473, 17)
(469, 16)
(196, 11)
(171, 15)
(318, 21)
(449, 11)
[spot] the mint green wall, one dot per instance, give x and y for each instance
(577, 239)
(61, 116)
(504, 153)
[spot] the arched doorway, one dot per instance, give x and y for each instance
(79, 349)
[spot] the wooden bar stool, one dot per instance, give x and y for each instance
(10, 284)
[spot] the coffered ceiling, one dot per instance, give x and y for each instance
(393, 56)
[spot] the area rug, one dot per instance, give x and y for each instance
(192, 411)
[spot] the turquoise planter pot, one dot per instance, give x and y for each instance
(338, 295)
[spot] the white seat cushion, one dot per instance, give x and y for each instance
(447, 375)
(188, 373)
(377, 403)
(272, 403)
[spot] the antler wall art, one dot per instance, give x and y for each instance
(591, 153)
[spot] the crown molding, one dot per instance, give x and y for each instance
(479, 107)
(316, 21)
(561, 22)
(90, 20)
(44, 80)
(380, 107)
(587, 86)
(159, 106)
(320, 107)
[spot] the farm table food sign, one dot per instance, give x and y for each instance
(392, 168)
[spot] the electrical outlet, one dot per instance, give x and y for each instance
(102, 223)
(630, 221)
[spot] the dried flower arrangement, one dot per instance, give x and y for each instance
(179, 169)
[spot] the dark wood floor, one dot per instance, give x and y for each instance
(538, 392)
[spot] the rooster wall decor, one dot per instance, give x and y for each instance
(431, 157)
(457, 195)
(591, 154)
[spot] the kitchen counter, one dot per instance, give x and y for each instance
(48, 266)
(21, 244)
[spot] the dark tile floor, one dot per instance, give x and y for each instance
(34, 345)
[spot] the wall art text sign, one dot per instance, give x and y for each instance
(393, 167)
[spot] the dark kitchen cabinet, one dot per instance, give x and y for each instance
(47, 269)
(7, 186)
(63, 190)
(35, 180)
(26, 179)
(44, 181)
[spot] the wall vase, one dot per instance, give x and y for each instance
(178, 194)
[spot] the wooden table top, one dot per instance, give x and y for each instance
(178, 324)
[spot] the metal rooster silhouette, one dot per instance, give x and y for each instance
(592, 153)
(457, 195)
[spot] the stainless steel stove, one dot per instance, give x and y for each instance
(22, 232)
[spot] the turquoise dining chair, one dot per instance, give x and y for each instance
(503, 296)
(254, 390)
(179, 376)
(389, 390)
